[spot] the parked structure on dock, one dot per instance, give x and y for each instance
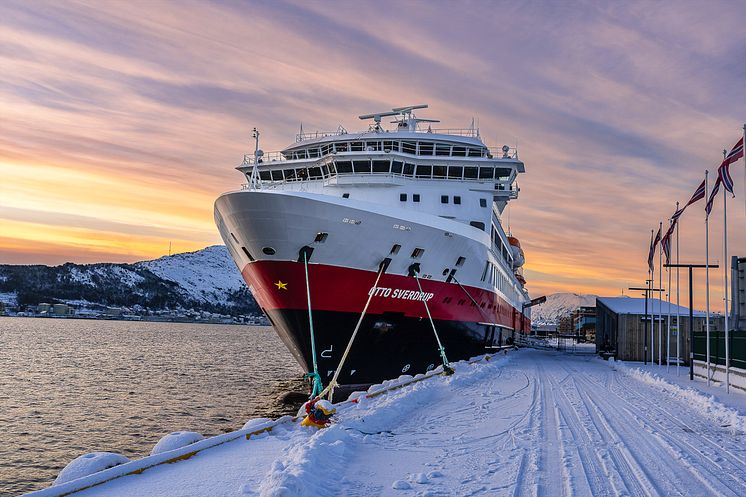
(620, 328)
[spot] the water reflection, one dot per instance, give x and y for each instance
(73, 386)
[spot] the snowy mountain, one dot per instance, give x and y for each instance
(559, 305)
(205, 280)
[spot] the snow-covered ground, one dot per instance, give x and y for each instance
(531, 423)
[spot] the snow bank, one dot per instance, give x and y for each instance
(176, 440)
(88, 464)
(309, 467)
(704, 404)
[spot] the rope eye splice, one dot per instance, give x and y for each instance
(319, 413)
(414, 270)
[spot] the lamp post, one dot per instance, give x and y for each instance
(691, 311)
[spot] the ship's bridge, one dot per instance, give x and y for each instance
(453, 154)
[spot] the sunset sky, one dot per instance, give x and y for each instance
(121, 122)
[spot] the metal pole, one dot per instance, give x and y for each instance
(668, 298)
(725, 285)
(660, 302)
(678, 294)
(691, 327)
(707, 279)
(645, 333)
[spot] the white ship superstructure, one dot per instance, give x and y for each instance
(334, 208)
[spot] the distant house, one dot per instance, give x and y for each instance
(620, 327)
(584, 322)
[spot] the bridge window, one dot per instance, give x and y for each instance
(289, 174)
(459, 151)
(409, 147)
(486, 173)
(424, 171)
(344, 167)
(357, 146)
(475, 152)
(442, 149)
(503, 173)
(396, 167)
(389, 146)
(372, 146)
(470, 172)
(381, 166)
(276, 175)
(313, 153)
(314, 173)
(439, 171)
(408, 169)
(426, 148)
(341, 147)
(325, 149)
(455, 172)
(265, 175)
(361, 166)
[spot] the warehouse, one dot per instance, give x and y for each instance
(620, 328)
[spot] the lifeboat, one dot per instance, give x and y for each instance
(515, 246)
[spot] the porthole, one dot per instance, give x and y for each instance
(268, 251)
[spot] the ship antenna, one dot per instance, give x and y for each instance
(254, 182)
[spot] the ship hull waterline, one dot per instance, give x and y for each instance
(395, 336)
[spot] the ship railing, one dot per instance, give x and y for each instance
(489, 153)
(509, 193)
(468, 132)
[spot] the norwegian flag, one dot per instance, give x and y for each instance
(713, 194)
(724, 169)
(699, 194)
(651, 253)
(666, 242)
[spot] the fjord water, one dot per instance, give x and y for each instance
(71, 386)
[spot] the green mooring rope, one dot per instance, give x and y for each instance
(317, 385)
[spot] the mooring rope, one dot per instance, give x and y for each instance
(446, 367)
(481, 311)
(316, 378)
(333, 383)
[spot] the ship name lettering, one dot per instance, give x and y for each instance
(399, 293)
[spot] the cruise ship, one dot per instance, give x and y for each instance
(400, 226)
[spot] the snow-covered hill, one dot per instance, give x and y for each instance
(205, 280)
(205, 275)
(559, 305)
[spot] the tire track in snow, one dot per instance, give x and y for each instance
(666, 439)
(587, 457)
(727, 471)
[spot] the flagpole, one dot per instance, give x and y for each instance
(652, 313)
(668, 298)
(707, 279)
(725, 283)
(678, 294)
(660, 295)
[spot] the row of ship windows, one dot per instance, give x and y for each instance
(414, 148)
(498, 280)
(444, 199)
(387, 167)
(498, 244)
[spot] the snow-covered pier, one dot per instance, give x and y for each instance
(529, 423)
